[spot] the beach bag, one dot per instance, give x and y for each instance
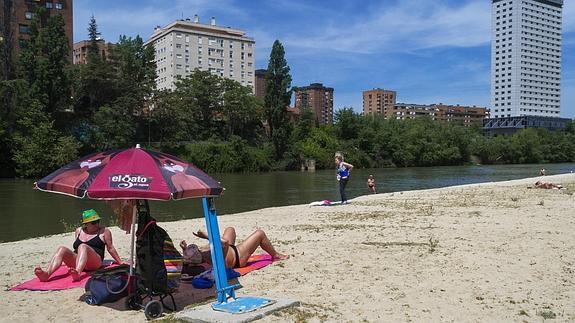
(107, 285)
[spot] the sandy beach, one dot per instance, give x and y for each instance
(496, 252)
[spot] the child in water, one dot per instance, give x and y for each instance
(371, 184)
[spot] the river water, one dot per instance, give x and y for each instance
(26, 213)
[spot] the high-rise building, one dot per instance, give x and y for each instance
(525, 58)
(80, 51)
(319, 99)
(186, 45)
(17, 17)
(378, 101)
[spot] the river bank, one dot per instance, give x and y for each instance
(491, 252)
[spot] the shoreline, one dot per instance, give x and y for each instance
(496, 251)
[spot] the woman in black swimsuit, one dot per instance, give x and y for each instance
(237, 255)
(91, 241)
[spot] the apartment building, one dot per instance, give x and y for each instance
(319, 99)
(19, 15)
(80, 51)
(185, 45)
(379, 101)
(464, 115)
(461, 114)
(403, 111)
(526, 58)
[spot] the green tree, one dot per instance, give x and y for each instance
(242, 112)
(116, 124)
(170, 121)
(45, 60)
(37, 148)
(7, 65)
(347, 123)
(95, 83)
(94, 37)
(201, 96)
(277, 99)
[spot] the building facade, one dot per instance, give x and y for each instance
(379, 101)
(80, 51)
(403, 111)
(526, 58)
(260, 82)
(17, 17)
(186, 45)
(464, 115)
(319, 99)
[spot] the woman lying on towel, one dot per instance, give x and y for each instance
(91, 241)
(235, 255)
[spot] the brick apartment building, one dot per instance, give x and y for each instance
(260, 82)
(378, 101)
(319, 99)
(464, 115)
(80, 51)
(17, 17)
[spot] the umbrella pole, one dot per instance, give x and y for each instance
(218, 262)
(133, 230)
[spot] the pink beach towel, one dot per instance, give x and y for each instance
(60, 279)
(255, 262)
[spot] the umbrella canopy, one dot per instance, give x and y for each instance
(133, 173)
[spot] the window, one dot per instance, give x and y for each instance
(58, 6)
(29, 15)
(49, 5)
(24, 29)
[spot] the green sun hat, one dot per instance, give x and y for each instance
(90, 216)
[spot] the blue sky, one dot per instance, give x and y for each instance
(427, 51)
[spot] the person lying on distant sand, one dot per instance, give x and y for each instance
(235, 255)
(540, 184)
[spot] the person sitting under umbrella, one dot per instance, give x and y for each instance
(235, 255)
(91, 241)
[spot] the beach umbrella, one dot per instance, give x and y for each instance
(141, 174)
(133, 173)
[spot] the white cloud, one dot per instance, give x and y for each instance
(406, 26)
(141, 19)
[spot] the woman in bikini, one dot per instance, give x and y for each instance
(235, 255)
(91, 241)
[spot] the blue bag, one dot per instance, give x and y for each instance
(107, 285)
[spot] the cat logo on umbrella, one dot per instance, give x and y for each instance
(135, 181)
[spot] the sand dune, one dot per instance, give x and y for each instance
(482, 252)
